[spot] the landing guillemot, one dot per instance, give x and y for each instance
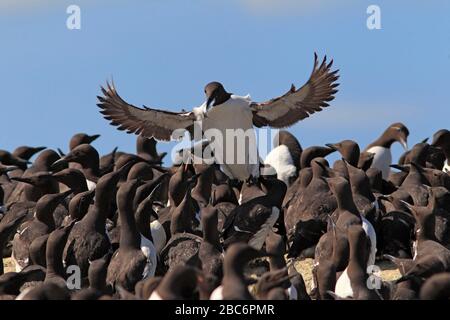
(223, 111)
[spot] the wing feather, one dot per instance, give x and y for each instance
(296, 105)
(147, 122)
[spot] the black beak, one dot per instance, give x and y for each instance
(9, 168)
(24, 180)
(403, 139)
(209, 102)
(93, 137)
(332, 146)
(434, 143)
(59, 164)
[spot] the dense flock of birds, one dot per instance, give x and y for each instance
(123, 226)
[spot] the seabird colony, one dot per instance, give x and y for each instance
(80, 225)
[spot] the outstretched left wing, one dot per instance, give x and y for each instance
(296, 105)
(147, 122)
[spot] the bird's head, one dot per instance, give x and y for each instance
(399, 132)
(215, 94)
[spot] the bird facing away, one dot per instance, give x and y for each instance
(222, 112)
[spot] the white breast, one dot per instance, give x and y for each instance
(281, 160)
(23, 293)
(222, 124)
(446, 167)
(149, 250)
(382, 159)
(292, 293)
(371, 234)
(155, 296)
(217, 294)
(158, 235)
(343, 287)
(91, 184)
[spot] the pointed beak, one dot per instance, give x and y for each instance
(399, 167)
(321, 165)
(434, 143)
(64, 195)
(331, 146)
(58, 164)
(20, 162)
(409, 206)
(21, 179)
(403, 141)
(39, 149)
(93, 137)
(210, 102)
(10, 168)
(61, 153)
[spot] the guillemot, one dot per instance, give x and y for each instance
(381, 148)
(441, 139)
(224, 111)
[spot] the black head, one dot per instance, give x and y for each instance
(73, 178)
(9, 159)
(141, 170)
(313, 152)
(38, 179)
(79, 204)
(26, 152)
(441, 138)
(82, 154)
(348, 149)
(397, 132)
(215, 94)
(45, 160)
(81, 138)
(5, 169)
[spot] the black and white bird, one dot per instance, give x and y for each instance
(224, 111)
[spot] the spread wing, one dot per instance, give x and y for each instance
(147, 122)
(296, 105)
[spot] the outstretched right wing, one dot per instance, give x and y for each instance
(147, 122)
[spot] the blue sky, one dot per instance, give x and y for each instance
(162, 53)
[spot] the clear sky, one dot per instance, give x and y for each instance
(161, 53)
